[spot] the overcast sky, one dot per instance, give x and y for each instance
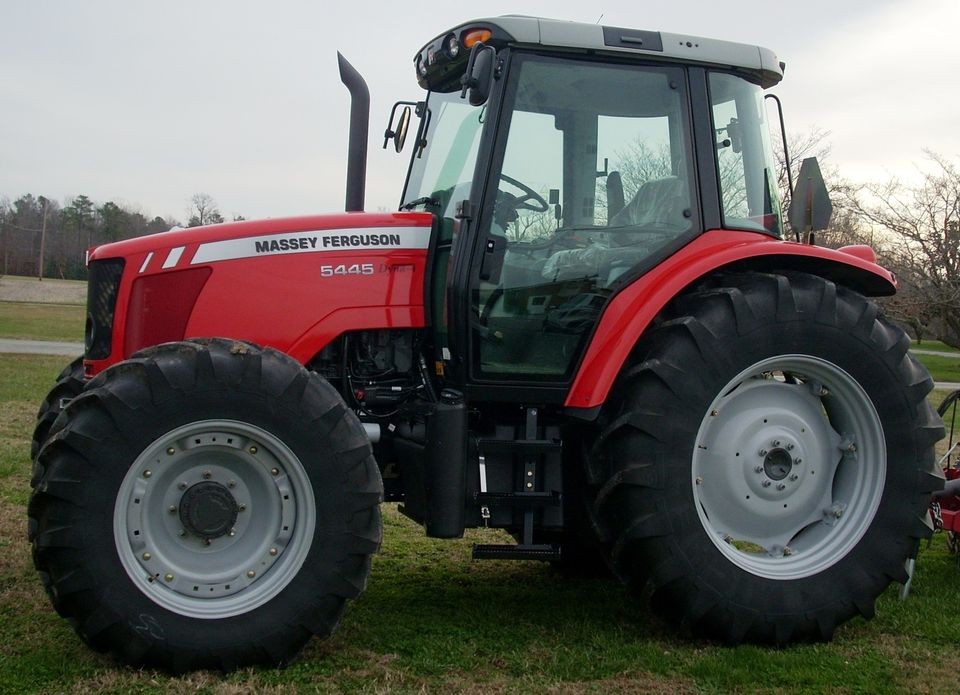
(147, 103)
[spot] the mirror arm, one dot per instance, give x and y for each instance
(786, 152)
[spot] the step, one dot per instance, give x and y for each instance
(518, 500)
(545, 553)
(519, 446)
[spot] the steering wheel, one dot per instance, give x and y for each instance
(531, 200)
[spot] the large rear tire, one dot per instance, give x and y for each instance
(206, 504)
(766, 459)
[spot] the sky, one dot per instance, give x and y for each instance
(147, 103)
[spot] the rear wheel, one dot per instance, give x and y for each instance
(766, 459)
(205, 505)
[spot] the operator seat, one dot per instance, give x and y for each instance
(657, 203)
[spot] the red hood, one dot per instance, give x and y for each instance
(237, 230)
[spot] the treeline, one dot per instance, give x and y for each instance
(41, 237)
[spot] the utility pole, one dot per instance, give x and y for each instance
(43, 240)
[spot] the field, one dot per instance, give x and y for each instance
(432, 620)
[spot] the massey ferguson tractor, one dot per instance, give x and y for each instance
(584, 326)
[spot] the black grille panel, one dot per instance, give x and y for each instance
(101, 303)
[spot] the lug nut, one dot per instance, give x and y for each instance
(529, 485)
(231, 533)
(714, 413)
(776, 442)
(788, 551)
(273, 551)
(781, 486)
(789, 447)
(171, 451)
(146, 556)
(207, 475)
(182, 485)
(172, 509)
(762, 452)
(242, 507)
(699, 480)
(147, 473)
(758, 469)
(798, 460)
(794, 477)
(253, 450)
(231, 483)
(274, 471)
(251, 574)
(766, 483)
(168, 577)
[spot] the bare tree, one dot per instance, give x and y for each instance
(921, 226)
(203, 210)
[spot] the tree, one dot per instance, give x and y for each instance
(203, 211)
(921, 233)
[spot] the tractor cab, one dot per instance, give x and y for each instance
(563, 161)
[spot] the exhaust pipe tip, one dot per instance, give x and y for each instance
(359, 129)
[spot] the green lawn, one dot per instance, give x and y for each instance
(941, 368)
(434, 621)
(937, 345)
(62, 322)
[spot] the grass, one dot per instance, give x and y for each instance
(937, 345)
(433, 621)
(941, 368)
(60, 322)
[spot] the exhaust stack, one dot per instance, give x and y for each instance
(359, 127)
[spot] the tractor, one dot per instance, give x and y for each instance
(584, 325)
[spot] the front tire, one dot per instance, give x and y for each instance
(206, 504)
(706, 469)
(68, 386)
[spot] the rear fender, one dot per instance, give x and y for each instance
(632, 310)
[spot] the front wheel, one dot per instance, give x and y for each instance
(205, 505)
(767, 459)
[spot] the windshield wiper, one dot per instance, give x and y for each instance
(433, 202)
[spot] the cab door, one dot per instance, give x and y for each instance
(591, 181)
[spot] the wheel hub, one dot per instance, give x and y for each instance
(780, 463)
(214, 518)
(777, 464)
(208, 510)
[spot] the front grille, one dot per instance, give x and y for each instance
(101, 303)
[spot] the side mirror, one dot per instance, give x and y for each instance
(398, 134)
(478, 77)
(810, 206)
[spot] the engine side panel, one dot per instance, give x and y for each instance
(292, 284)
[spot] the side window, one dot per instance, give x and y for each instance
(744, 156)
(595, 179)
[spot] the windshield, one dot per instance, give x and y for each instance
(442, 173)
(744, 155)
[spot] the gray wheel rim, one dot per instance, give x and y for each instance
(271, 518)
(789, 467)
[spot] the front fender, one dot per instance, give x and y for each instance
(630, 312)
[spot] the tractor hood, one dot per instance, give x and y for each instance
(294, 284)
(178, 247)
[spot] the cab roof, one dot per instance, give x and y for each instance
(516, 30)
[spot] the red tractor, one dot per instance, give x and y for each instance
(583, 326)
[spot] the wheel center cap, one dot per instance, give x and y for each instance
(777, 464)
(208, 510)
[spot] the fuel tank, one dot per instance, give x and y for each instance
(293, 284)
